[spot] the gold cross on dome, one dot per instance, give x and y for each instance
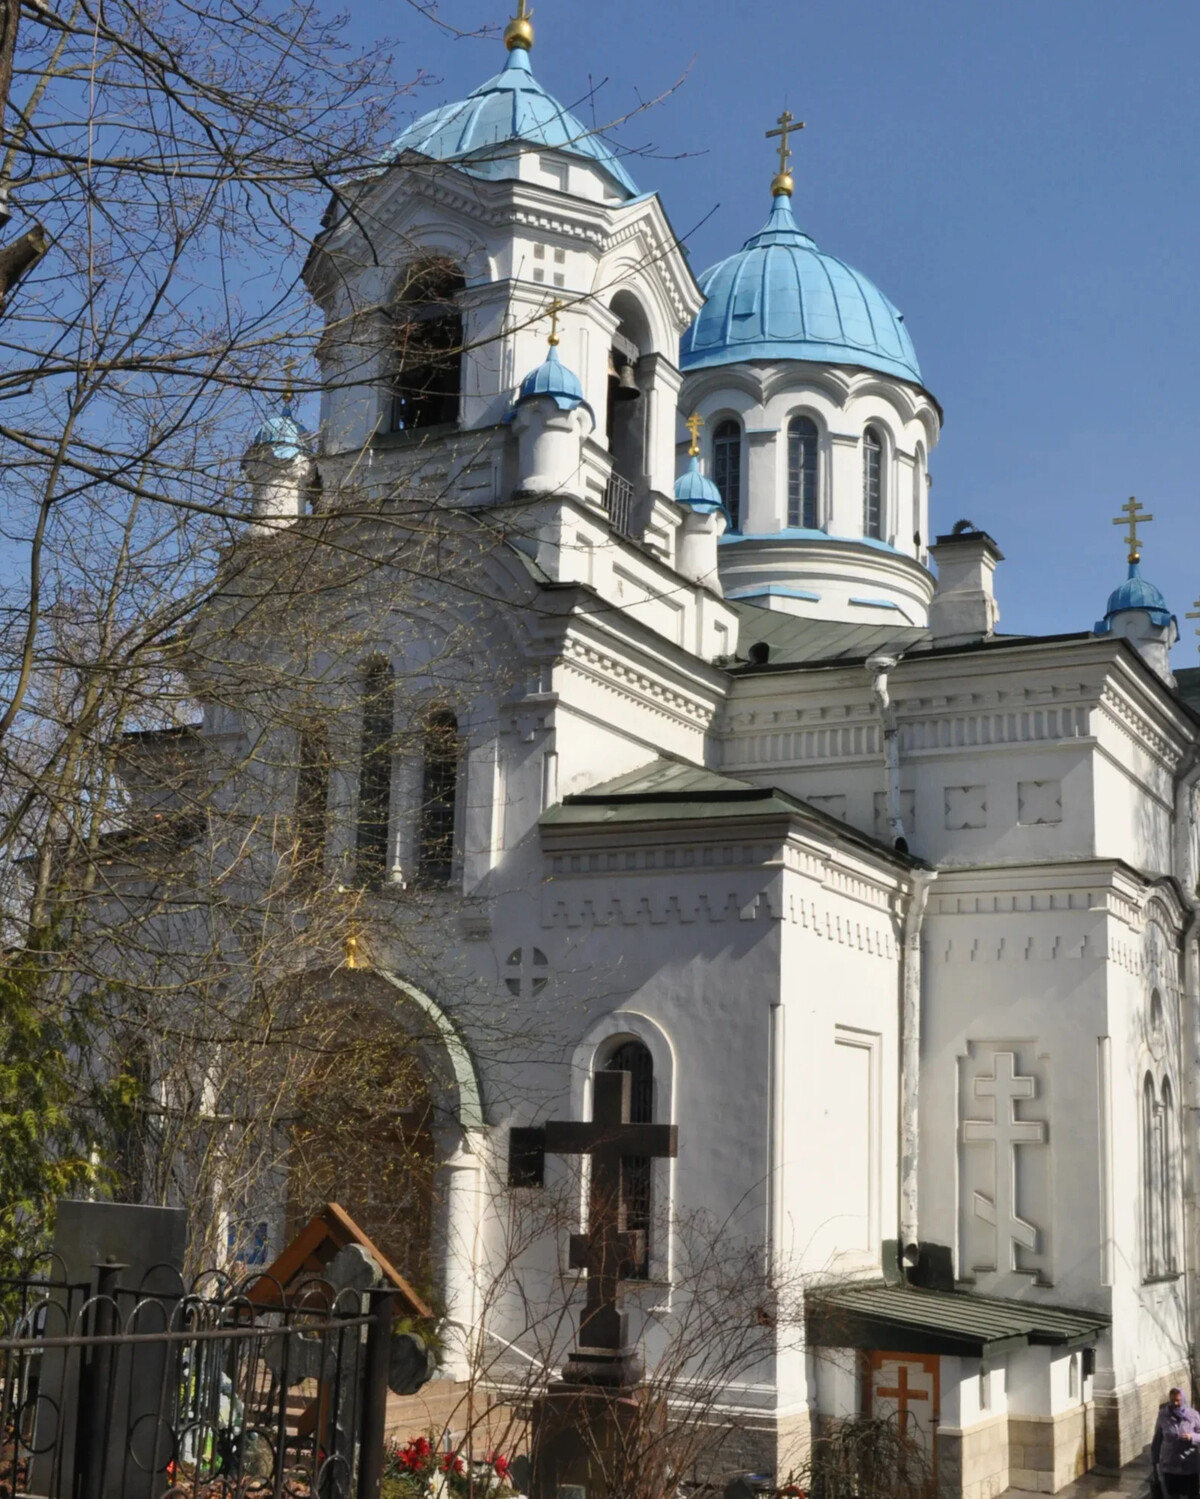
(289, 380)
(522, 13)
(787, 122)
(1133, 516)
(693, 424)
(1194, 613)
(552, 313)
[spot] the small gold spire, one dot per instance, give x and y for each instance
(552, 313)
(519, 31)
(693, 424)
(784, 182)
(1194, 612)
(289, 380)
(1133, 516)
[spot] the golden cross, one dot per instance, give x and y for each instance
(693, 424)
(1133, 517)
(522, 13)
(289, 380)
(1194, 613)
(552, 313)
(787, 123)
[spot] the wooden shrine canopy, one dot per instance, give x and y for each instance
(310, 1252)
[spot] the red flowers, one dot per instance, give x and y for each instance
(421, 1461)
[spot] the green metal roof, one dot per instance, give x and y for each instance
(908, 1319)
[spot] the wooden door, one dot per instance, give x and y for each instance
(905, 1388)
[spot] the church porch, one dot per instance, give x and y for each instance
(996, 1393)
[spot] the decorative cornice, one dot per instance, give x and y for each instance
(633, 682)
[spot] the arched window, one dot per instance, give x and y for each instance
(439, 798)
(802, 473)
(872, 484)
(1151, 1187)
(918, 494)
(427, 345)
(727, 468)
(312, 799)
(375, 772)
(1166, 1176)
(637, 1171)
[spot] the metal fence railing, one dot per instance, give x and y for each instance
(119, 1394)
(619, 502)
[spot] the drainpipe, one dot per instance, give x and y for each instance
(879, 666)
(1186, 873)
(910, 1064)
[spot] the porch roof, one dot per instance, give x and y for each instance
(909, 1319)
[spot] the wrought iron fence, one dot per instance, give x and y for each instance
(213, 1389)
(619, 502)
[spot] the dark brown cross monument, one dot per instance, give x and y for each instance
(594, 1408)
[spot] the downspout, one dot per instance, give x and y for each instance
(1186, 874)
(910, 971)
(879, 666)
(910, 1065)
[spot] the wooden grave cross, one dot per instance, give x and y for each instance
(608, 1252)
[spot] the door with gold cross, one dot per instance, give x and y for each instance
(904, 1388)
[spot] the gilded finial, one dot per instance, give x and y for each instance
(693, 424)
(289, 380)
(519, 31)
(784, 181)
(552, 312)
(351, 950)
(1133, 516)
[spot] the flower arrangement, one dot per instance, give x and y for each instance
(417, 1470)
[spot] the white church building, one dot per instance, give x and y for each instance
(892, 914)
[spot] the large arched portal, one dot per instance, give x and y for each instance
(385, 1098)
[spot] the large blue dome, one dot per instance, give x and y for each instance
(511, 107)
(779, 297)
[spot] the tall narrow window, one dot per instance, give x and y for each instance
(312, 799)
(637, 1171)
(1166, 1215)
(727, 468)
(872, 484)
(439, 798)
(375, 772)
(1151, 1196)
(427, 346)
(802, 472)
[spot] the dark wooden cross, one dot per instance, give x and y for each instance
(608, 1252)
(903, 1394)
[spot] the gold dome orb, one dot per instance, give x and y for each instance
(519, 33)
(784, 183)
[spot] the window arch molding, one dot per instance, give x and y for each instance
(807, 421)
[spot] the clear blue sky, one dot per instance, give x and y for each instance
(1020, 178)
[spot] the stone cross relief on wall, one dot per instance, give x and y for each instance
(1003, 1161)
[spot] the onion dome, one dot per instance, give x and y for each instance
(553, 378)
(510, 109)
(697, 492)
(1135, 593)
(780, 297)
(281, 435)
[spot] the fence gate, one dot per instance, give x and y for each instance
(133, 1394)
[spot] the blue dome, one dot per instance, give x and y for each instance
(1135, 593)
(694, 490)
(512, 106)
(553, 378)
(281, 433)
(779, 297)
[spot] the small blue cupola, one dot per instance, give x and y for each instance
(697, 492)
(281, 435)
(553, 378)
(1136, 593)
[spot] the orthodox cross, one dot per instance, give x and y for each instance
(1133, 517)
(1194, 612)
(787, 123)
(552, 313)
(289, 381)
(608, 1252)
(1005, 1132)
(903, 1395)
(693, 424)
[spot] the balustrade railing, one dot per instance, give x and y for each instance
(619, 502)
